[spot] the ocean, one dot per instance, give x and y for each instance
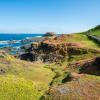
(6, 37)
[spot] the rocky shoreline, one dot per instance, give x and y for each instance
(60, 66)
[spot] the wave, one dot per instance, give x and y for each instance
(3, 42)
(8, 42)
(33, 37)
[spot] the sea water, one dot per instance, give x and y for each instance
(6, 37)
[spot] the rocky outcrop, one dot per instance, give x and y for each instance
(27, 56)
(47, 52)
(88, 66)
(54, 52)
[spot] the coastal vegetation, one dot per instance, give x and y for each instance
(63, 67)
(95, 31)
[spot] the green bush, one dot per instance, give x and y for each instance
(14, 88)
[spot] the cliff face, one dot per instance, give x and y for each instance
(47, 52)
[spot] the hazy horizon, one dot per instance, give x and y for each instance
(41, 16)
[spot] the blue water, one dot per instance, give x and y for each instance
(4, 38)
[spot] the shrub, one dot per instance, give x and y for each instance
(14, 88)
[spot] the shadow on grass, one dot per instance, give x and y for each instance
(92, 68)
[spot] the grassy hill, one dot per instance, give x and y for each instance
(79, 39)
(95, 31)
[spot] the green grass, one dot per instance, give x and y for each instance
(95, 31)
(28, 71)
(83, 40)
(14, 88)
(75, 58)
(79, 38)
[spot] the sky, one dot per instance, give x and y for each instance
(40, 16)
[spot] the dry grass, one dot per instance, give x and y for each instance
(84, 88)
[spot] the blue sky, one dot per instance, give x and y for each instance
(40, 16)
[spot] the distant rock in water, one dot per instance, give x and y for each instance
(49, 34)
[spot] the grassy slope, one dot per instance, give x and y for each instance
(95, 31)
(14, 88)
(25, 71)
(79, 38)
(83, 40)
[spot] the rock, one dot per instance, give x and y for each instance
(49, 34)
(88, 66)
(27, 56)
(54, 52)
